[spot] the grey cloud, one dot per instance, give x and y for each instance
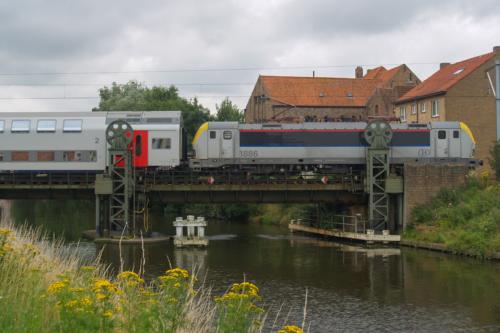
(92, 35)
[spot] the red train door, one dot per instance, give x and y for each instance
(140, 148)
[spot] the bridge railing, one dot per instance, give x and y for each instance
(48, 178)
(344, 223)
(243, 178)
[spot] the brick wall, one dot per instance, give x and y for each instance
(423, 181)
(471, 101)
(423, 110)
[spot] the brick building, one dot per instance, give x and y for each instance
(297, 99)
(463, 91)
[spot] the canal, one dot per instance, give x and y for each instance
(349, 288)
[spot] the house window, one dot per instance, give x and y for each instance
(402, 113)
(20, 126)
(414, 109)
(2, 125)
(435, 108)
(46, 126)
(423, 107)
(161, 143)
(72, 125)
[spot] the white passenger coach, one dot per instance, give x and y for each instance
(76, 141)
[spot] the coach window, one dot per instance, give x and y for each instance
(227, 135)
(45, 156)
(20, 126)
(213, 134)
(46, 126)
(2, 125)
(72, 125)
(456, 134)
(441, 135)
(161, 143)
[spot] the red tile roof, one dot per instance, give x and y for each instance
(319, 91)
(445, 78)
(374, 73)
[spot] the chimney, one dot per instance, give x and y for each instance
(358, 72)
(443, 65)
(496, 50)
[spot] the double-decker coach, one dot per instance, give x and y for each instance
(76, 141)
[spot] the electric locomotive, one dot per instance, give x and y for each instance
(229, 144)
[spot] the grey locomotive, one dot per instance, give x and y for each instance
(229, 144)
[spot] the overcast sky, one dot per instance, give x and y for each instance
(188, 43)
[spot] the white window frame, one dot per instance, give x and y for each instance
(67, 128)
(414, 108)
(435, 108)
(46, 129)
(402, 113)
(423, 107)
(21, 129)
(2, 126)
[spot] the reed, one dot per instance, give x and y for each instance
(45, 287)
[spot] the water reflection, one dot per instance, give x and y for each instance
(350, 288)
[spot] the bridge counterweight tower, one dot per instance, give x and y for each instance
(378, 134)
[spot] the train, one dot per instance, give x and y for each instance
(76, 141)
(56, 141)
(230, 144)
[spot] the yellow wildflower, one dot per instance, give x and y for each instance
(132, 279)
(245, 288)
(100, 296)
(72, 304)
(56, 287)
(5, 232)
(86, 301)
(290, 329)
(103, 285)
(108, 314)
(177, 272)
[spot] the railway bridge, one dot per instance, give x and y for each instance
(123, 194)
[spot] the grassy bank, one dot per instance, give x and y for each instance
(465, 219)
(45, 288)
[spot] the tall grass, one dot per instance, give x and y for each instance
(46, 288)
(465, 219)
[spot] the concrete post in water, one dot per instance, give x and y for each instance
(195, 231)
(178, 228)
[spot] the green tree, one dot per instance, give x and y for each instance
(228, 111)
(134, 96)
